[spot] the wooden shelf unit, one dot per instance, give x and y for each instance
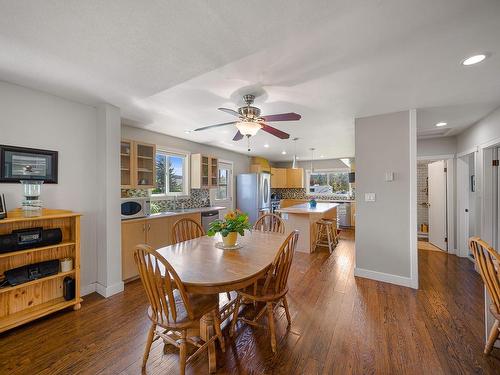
(204, 171)
(22, 303)
(137, 165)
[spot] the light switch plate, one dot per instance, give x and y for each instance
(389, 176)
(370, 197)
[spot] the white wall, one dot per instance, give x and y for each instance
(241, 162)
(437, 146)
(486, 130)
(386, 229)
(34, 119)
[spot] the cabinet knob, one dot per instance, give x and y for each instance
(149, 227)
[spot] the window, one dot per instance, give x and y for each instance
(171, 174)
(224, 180)
(328, 182)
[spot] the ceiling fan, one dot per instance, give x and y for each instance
(250, 121)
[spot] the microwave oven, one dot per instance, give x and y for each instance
(133, 208)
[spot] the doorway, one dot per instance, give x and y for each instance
(435, 208)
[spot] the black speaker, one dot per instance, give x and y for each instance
(69, 288)
(28, 238)
(31, 272)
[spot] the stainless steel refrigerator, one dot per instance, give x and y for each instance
(253, 194)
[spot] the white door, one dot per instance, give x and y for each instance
(437, 204)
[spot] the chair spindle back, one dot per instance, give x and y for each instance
(160, 282)
(186, 229)
(488, 262)
(270, 223)
(277, 276)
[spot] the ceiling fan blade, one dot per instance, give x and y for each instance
(215, 126)
(238, 136)
(291, 116)
(230, 111)
(276, 132)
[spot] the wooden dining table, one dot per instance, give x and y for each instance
(206, 269)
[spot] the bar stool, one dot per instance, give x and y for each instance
(326, 234)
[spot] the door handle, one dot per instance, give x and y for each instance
(143, 227)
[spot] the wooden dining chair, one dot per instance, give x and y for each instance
(488, 263)
(270, 223)
(186, 229)
(271, 290)
(172, 311)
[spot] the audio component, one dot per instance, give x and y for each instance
(28, 238)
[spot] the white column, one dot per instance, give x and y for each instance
(109, 272)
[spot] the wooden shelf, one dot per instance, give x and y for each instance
(144, 170)
(127, 155)
(37, 281)
(24, 316)
(27, 251)
(144, 157)
(125, 169)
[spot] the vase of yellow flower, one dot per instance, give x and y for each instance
(234, 223)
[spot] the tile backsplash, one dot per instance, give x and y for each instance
(302, 194)
(197, 198)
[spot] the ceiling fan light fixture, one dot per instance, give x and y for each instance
(248, 128)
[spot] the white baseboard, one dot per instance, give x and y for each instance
(384, 277)
(108, 291)
(91, 288)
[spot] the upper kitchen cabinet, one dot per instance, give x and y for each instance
(137, 165)
(204, 171)
(287, 178)
(126, 162)
(278, 178)
(295, 178)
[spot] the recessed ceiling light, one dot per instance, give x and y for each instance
(321, 156)
(283, 152)
(266, 145)
(187, 131)
(439, 124)
(473, 59)
(297, 158)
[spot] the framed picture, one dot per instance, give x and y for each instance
(21, 163)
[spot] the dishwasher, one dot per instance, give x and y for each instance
(207, 217)
(344, 214)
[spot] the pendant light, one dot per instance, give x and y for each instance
(294, 162)
(312, 158)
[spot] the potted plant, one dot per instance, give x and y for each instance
(234, 223)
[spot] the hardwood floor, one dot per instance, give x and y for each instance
(340, 325)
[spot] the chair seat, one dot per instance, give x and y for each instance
(200, 304)
(494, 311)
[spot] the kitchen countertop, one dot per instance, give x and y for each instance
(178, 212)
(324, 200)
(303, 208)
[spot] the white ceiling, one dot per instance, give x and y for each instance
(169, 64)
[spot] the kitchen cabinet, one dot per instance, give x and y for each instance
(133, 234)
(287, 178)
(137, 165)
(156, 232)
(295, 178)
(204, 171)
(278, 178)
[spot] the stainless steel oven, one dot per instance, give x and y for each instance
(133, 208)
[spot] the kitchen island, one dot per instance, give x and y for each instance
(304, 218)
